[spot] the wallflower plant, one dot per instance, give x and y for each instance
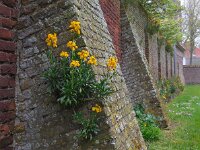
(71, 78)
(169, 88)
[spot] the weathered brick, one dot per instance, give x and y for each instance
(10, 3)
(7, 57)
(111, 9)
(25, 84)
(6, 34)
(7, 105)
(4, 129)
(28, 9)
(7, 93)
(7, 23)
(8, 46)
(7, 116)
(5, 141)
(8, 12)
(6, 81)
(19, 128)
(8, 69)
(192, 74)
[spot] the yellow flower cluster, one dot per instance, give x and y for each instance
(97, 108)
(75, 63)
(112, 63)
(75, 27)
(92, 61)
(83, 54)
(64, 54)
(72, 45)
(51, 40)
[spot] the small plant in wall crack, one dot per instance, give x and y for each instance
(71, 78)
(90, 125)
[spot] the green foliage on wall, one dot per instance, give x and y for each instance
(163, 18)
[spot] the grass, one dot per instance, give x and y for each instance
(184, 117)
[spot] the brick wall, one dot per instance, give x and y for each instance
(191, 74)
(118, 107)
(8, 69)
(173, 67)
(153, 56)
(139, 20)
(135, 68)
(168, 65)
(162, 62)
(42, 122)
(111, 10)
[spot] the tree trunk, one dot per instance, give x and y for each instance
(191, 50)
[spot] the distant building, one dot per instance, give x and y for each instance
(195, 59)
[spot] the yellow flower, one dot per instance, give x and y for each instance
(74, 63)
(64, 54)
(75, 27)
(145, 124)
(92, 60)
(51, 40)
(72, 45)
(83, 54)
(112, 63)
(97, 108)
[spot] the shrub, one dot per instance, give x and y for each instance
(148, 124)
(170, 87)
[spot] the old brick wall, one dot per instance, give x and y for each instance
(8, 69)
(173, 67)
(162, 62)
(118, 107)
(111, 10)
(168, 65)
(191, 74)
(147, 43)
(135, 67)
(42, 122)
(153, 56)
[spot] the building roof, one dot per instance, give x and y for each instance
(196, 53)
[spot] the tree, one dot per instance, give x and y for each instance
(191, 23)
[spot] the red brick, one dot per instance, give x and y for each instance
(7, 23)
(4, 129)
(7, 57)
(6, 34)
(8, 12)
(111, 10)
(11, 3)
(8, 69)
(7, 116)
(8, 148)
(8, 46)
(7, 105)
(5, 141)
(28, 9)
(7, 93)
(6, 81)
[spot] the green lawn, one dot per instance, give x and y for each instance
(184, 116)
